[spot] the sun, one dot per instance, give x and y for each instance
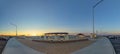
(34, 34)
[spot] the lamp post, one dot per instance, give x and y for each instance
(15, 27)
(93, 8)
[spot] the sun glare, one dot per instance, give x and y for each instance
(34, 34)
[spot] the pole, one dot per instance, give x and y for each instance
(16, 31)
(93, 23)
(93, 8)
(15, 27)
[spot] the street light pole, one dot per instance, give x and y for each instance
(93, 12)
(15, 27)
(16, 31)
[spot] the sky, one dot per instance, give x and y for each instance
(73, 16)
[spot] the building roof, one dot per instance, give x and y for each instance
(80, 34)
(57, 33)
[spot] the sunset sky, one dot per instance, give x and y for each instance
(35, 17)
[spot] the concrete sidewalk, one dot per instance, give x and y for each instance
(15, 47)
(101, 46)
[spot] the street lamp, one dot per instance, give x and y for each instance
(15, 27)
(93, 8)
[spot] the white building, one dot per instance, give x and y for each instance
(57, 36)
(81, 36)
(63, 36)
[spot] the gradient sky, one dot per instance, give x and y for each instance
(40, 16)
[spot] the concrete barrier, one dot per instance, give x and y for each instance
(15, 47)
(101, 46)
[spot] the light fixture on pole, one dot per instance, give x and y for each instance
(15, 27)
(93, 35)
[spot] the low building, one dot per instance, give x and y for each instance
(82, 36)
(59, 36)
(63, 36)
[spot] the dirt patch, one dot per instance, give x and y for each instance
(56, 48)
